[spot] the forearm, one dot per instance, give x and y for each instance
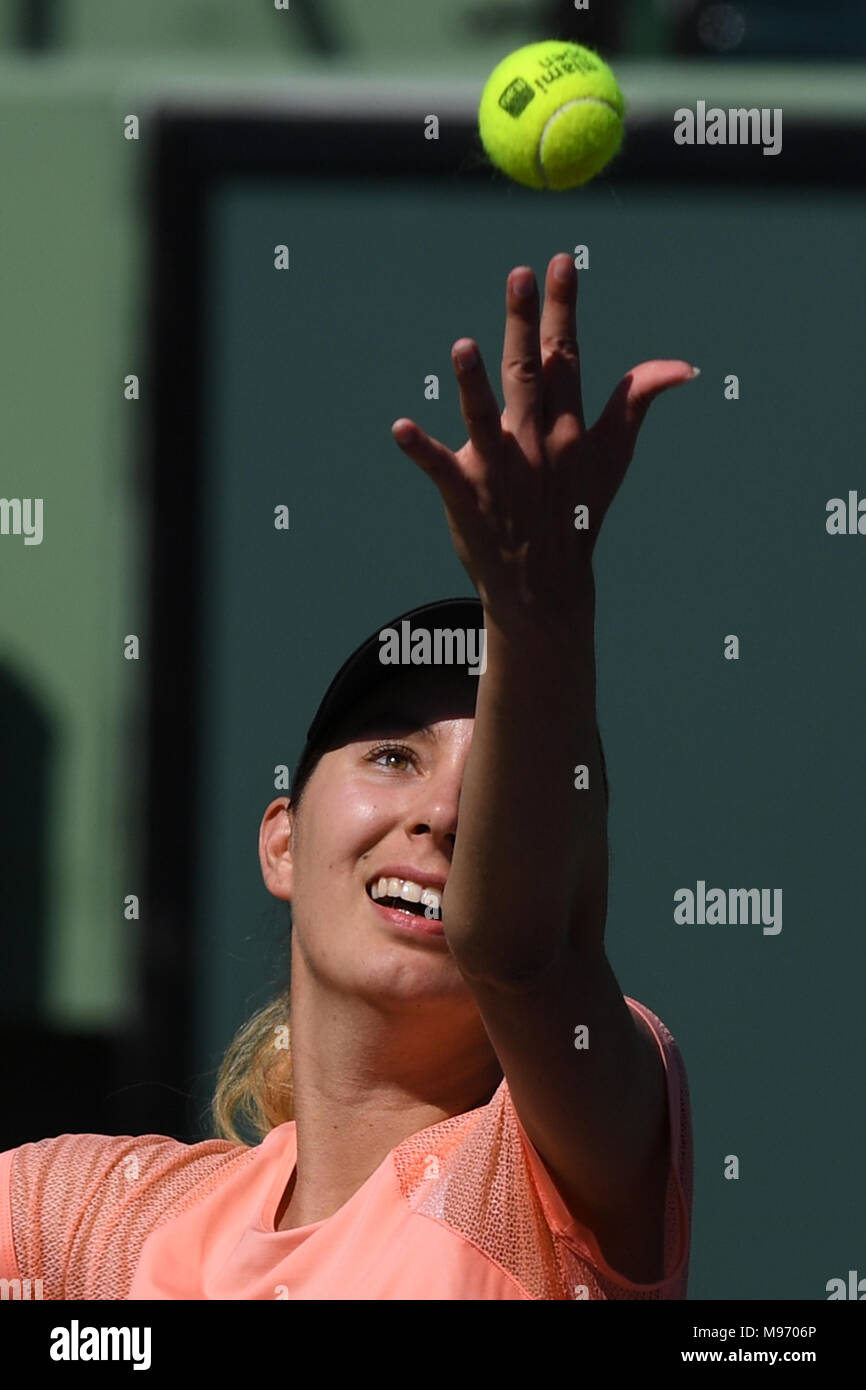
(530, 863)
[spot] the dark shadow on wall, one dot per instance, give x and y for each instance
(53, 1081)
(27, 748)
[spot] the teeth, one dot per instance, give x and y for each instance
(410, 891)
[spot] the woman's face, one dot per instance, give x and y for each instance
(367, 809)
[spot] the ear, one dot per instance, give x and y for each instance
(275, 847)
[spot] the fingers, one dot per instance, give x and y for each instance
(618, 426)
(478, 405)
(436, 460)
(521, 364)
(540, 374)
(480, 411)
(559, 349)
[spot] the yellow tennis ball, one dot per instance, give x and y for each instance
(551, 115)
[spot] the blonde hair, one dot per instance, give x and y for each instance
(254, 1091)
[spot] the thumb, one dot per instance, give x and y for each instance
(435, 459)
(618, 426)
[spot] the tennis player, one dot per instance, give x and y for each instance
(452, 1098)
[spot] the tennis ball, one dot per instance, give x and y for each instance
(551, 115)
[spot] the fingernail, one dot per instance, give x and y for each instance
(467, 356)
(524, 284)
(696, 371)
(562, 270)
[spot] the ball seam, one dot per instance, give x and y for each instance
(566, 106)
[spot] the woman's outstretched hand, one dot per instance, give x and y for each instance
(511, 492)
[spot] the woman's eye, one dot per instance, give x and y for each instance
(392, 750)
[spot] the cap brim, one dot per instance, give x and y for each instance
(363, 670)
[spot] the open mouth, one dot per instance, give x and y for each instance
(418, 902)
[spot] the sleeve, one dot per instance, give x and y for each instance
(585, 1269)
(8, 1262)
(75, 1210)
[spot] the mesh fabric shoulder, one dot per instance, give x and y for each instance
(82, 1205)
(473, 1175)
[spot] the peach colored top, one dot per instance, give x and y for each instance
(465, 1209)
